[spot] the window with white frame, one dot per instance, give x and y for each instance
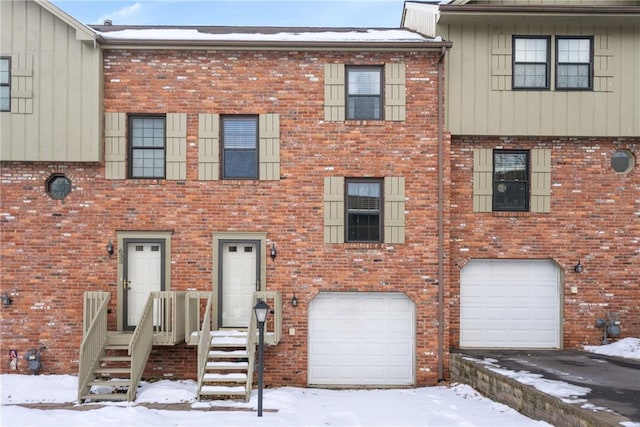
(574, 63)
(530, 62)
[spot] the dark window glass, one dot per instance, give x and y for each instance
(240, 147)
(147, 141)
(510, 181)
(5, 84)
(363, 203)
(530, 63)
(574, 63)
(364, 93)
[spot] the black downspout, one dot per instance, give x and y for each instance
(441, 202)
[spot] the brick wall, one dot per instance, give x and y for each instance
(593, 218)
(53, 251)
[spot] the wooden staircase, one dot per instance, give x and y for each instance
(227, 373)
(112, 377)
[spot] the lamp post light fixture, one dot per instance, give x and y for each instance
(261, 309)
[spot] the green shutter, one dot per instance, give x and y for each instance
(269, 155)
(482, 180)
(334, 92)
(334, 209)
(22, 83)
(394, 200)
(394, 92)
(208, 147)
(541, 181)
(115, 145)
(176, 146)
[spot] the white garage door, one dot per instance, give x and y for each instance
(510, 304)
(358, 338)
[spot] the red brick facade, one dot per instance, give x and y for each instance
(593, 218)
(53, 251)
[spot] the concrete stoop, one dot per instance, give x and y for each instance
(526, 399)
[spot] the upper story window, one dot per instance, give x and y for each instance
(5, 84)
(530, 62)
(574, 63)
(239, 147)
(364, 93)
(147, 146)
(510, 180)
(363, 205)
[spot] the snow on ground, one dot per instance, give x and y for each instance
(627, 347)
(458, 405)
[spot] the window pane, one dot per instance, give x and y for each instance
(510, 181)
(573, 76)
(364, 88)
(147, 163)
(239, 143)
(363, 211)
(240, 133)
(364, 82)
(240, 164)
(363, 107)
(531, 50)
(530, 75)
(4, 71)
(147, 132)
(574, 50)
(510, 166)
(5, 101)
(510, 196)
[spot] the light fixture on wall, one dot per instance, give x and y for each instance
(273, 252)
(110, 248)
(6, 299)
(294, 300)
(578, 268)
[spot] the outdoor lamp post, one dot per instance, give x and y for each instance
(261, 310)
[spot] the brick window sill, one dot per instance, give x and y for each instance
(360, 246)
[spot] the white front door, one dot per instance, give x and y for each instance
(143, 274)
(239, 282)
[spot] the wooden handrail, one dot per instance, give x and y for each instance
(94, 337)
(140, 346)
(204, 343)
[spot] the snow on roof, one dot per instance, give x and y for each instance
(301, 35)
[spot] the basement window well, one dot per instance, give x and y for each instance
(58, 186)
(622, 161)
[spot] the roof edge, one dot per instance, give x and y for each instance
(83, 32)
(542, 9)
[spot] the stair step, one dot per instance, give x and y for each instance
(112, 371)
(227, 365)
(107, 396)
(229, 333)
(230, 378)
(117, 347)
(222, 391)
(119, 338)
(115, 358)
(110, 383)
(233, 354)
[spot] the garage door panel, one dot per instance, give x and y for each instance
(510, 304)
(366, 339)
